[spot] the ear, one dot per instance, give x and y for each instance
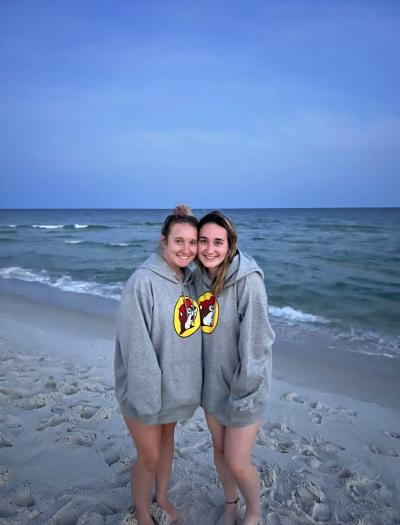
(163, 240)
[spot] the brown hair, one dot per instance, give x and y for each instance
(180, 214)
(218, 218)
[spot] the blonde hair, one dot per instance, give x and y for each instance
(218, 218)
(180, 214)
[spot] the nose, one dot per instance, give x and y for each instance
(187, 248)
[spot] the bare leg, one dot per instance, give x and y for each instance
(164, 471)
(228, 481)
(147, 439)
(238, 445)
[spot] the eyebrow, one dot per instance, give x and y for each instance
(216, 238)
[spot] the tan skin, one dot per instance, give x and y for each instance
(232, 446)
(155, 443)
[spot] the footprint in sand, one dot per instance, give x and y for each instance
(375, 449)
(274, 427)
(321, 512)
(189, 451)
(54, 421)
(5, 440)
(293, 396)
(24, 498)
(91, 518)
(391, 434)
(111, 455)
(6, 474)
(316, 417)
(13, 422)
(273, 519)
(284, 447)
(362, 487)
(309, 499)
(77, 437)
(80, 506)
(33, 402)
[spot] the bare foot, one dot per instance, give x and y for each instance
(254, 519)
(167, 506)
(229, 515)
(144, 519)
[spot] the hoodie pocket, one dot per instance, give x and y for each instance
(181, 385)
(216, 389)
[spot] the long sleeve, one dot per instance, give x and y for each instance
(251, 381)
(137, 372)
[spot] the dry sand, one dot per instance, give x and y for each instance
(65, 455)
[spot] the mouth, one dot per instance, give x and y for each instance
(184, 257)
(210, 257)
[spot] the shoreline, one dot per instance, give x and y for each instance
(299, 359)
(65, 454)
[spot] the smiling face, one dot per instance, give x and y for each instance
(180, 245)
(213, 246)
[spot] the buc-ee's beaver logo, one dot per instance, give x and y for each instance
(186, 316)
(209, 312)
(190, 315)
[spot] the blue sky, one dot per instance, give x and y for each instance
(214, 103)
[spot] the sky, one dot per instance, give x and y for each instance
(219, 104)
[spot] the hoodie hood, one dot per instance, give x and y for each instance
(241, 266)
(157, 264)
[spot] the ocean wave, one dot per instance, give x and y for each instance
(64, 283)
(48, 226)
(74, 241)
(66, 226)
(105, 244)
(290, 314)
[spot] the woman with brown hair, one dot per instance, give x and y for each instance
(158, 372)
(237, 340)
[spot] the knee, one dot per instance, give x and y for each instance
(237, 466)
(150, 461)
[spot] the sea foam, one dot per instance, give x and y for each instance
(290, 314)
(64, 283)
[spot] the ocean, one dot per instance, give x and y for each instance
(330, 271)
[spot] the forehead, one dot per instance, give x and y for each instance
(183, 230)
(213, 231)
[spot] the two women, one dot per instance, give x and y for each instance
(158, 363)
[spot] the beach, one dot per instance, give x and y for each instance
(328, 450)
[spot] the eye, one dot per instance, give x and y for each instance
(178, 241)
(202, 241)
(193, 243)
(218, 243)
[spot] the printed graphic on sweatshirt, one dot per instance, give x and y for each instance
(186, 316)
(209, 312)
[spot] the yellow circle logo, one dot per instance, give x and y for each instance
(186, 316)
(209, 312)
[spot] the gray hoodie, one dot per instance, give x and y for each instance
(158, 371)
(237, 340)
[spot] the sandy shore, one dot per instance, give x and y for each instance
(329, 450)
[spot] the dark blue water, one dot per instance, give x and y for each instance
(333, 269)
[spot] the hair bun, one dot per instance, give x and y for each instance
(182, 209)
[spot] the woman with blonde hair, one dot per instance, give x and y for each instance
(158, 372)
(237, 360)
